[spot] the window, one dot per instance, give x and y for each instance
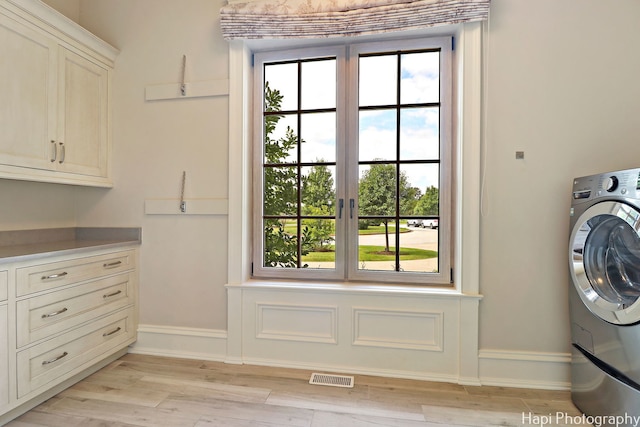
(353, 148)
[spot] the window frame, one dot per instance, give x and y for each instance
(443, 277)
(258, 270)
(347, 178)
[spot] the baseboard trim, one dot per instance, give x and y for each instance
(521, 369)
(525, 369)
(185, 343)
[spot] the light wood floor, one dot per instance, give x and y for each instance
(152, 391)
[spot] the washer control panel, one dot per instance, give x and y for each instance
(622, 183)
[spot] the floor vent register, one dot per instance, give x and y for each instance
(331, 380)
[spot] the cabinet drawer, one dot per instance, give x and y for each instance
(59, 358)
(4, 360)
(50, 276)
(3, 285)
(49, 314)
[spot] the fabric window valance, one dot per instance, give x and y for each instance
(277, 19)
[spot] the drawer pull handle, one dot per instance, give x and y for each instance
(112, 264)
(54, 151)
(55, 359)
(112, 294)
(55, 313)
(63, 152)
(106, 334)
(54, 276)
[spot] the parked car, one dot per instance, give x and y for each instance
(423, 223)
(429, 223)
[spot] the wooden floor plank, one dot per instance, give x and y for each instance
(449, 415)
(123, 413)
(210, 410)
(39, 419)
(345, 406)
(145, 391)
(337, 419)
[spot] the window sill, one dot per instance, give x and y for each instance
(351, 288)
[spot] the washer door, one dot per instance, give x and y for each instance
(604, 258)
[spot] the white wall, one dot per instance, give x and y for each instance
(562, 86)
(183, 258)
(69, 8)
(28, 205)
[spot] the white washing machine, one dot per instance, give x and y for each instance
(604, 293)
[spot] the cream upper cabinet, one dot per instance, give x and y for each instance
(82, 144)
(28, 91)
(55, 83)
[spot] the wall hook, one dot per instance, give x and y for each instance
(183, 86)
(183, 204)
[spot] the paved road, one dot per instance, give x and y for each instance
(420, 238)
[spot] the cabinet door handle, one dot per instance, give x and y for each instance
(54, 276)
(55, 313)
(54, 151)
(112, 294)
(63, 153)
(106, 334)
(112, 264)
(55, 359)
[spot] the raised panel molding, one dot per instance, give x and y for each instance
(408, 330)
(316, 324)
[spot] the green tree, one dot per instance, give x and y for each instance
(409, 200)
(281, 249)
(428, 204)
(377, 194)
(318, 186)
(318, 194)
(280, 197)
(321, 231)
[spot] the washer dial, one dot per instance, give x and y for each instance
(610, 184)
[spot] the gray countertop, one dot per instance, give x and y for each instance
(19, 245)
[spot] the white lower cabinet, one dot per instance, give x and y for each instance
(72, 351)
(4, 343)
(42, 316)
(69, 314)
(4, 358)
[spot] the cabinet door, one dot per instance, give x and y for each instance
(28, 96)
(4, 285)
(83, 115)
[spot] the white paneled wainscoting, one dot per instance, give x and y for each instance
(392, 332)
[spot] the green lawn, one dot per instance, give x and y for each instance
(372, 253)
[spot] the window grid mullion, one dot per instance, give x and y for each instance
(299, 168)
(397, 161)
